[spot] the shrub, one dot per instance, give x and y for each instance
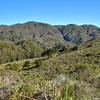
(90, 54)
(13, 94)
(60, 69)
(38, 62)
(26, 64)
(64, 49)
(49, 52)
(75, 48)
(13, 66)
(26, 89)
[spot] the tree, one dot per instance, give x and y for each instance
(38, 62)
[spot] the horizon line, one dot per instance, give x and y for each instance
(47, 23)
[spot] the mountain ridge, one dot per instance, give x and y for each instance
(48, 35)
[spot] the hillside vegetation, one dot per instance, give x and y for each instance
(61, 74)
(10, 52)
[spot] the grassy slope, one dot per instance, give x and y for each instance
(81, 66)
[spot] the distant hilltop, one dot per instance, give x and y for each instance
(53, 35)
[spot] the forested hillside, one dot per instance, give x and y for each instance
(10, 52)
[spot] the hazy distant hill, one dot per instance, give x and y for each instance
(77, 34)
(48, 35)
(43, 34)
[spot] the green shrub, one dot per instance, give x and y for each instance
(26, 89)
(13, 66)
(38, 62)
(16, 92)
(49, 52)
(26, 64)
(64, 49)
(13, 94)
(60, 69)
(90, 54)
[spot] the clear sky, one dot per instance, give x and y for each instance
(50, 11)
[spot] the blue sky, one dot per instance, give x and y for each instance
(50, 11)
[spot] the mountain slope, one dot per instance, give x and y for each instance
(47, 35)
(10, 52)
(80, 66)
(42, 34)
(78, 34)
